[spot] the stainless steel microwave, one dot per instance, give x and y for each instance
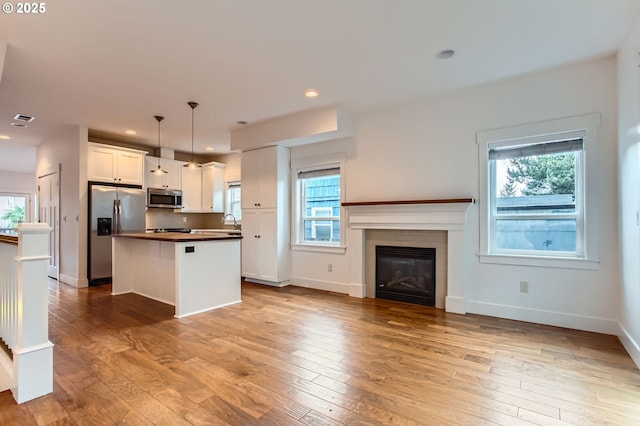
(164, 198)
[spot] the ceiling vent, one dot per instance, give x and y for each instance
(24, 117)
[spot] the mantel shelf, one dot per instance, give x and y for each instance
(434, 201)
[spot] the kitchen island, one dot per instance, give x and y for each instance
(193, 272)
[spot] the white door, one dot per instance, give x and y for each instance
(49, 202)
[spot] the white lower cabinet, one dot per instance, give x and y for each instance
(265, 247)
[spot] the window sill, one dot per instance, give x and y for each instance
(319, 248)
(540, 261)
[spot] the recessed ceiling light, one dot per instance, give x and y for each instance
(209, 148)
(311, 93)
(445, 54)
(5, 137)
(130, 132)
(18, 124)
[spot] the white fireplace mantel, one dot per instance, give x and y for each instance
(435, 215)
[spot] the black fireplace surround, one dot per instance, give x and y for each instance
(406, 274)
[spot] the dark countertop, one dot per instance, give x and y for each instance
(179, 237)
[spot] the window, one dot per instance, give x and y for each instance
(536, 200)
(13, 210)
(533, 200)
(320, 198)
(318, 184)
(234, 202)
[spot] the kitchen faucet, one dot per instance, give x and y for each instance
(235, 222)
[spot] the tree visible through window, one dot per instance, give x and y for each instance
(536, 197)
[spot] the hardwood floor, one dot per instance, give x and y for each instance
(295, 356)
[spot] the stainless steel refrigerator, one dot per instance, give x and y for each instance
(112, 210)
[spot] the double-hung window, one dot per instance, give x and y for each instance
(234, 201)
(536, 197)
(533, 198)
(318, 190)
(320, 205)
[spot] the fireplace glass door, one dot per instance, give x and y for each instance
(406, 274)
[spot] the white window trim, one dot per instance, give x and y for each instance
(588, 126)
(297, 230)
(227, 202)
(27, 208)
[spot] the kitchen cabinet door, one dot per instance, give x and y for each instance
(102, 164)
(191, 189)
(115, 165)
(264, 256)
(213, 187)
(265, 177)
(130, 168)
(169, 180)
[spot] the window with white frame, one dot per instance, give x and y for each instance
(536, 197)
(234, 201)
(533, 200)
(318, 190)
(14, 209)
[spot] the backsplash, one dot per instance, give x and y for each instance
(166, 218)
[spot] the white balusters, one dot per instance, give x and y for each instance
(24, 324)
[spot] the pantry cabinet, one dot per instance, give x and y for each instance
(265, 216)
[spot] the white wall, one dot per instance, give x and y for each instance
(629, 184)
(427, 150)
(22, 183)
(69, 148)
(311, 268)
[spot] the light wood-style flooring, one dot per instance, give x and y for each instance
(295, 356)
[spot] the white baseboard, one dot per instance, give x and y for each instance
(539, 316)
(76, 282)
(455, 305)
(357, 290)
(271, 283)
(320, 285)
(629, 344)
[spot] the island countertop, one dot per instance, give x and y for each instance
(179, 237)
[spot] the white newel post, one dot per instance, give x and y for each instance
(33, 352)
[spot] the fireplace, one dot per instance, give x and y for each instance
(406, 274)
(448, 216)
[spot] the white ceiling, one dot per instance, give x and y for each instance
(112, 65)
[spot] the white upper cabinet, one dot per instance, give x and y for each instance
(191, 189)
(264, 172)
(203, 188)
(115, 165)
(169, 180)
(213, 187)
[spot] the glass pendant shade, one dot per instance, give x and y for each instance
(159, 170)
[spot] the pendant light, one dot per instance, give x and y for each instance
(192, 164)
(159, 170)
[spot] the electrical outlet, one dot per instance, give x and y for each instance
(524, 286)
(184, 219)
(330, 267)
